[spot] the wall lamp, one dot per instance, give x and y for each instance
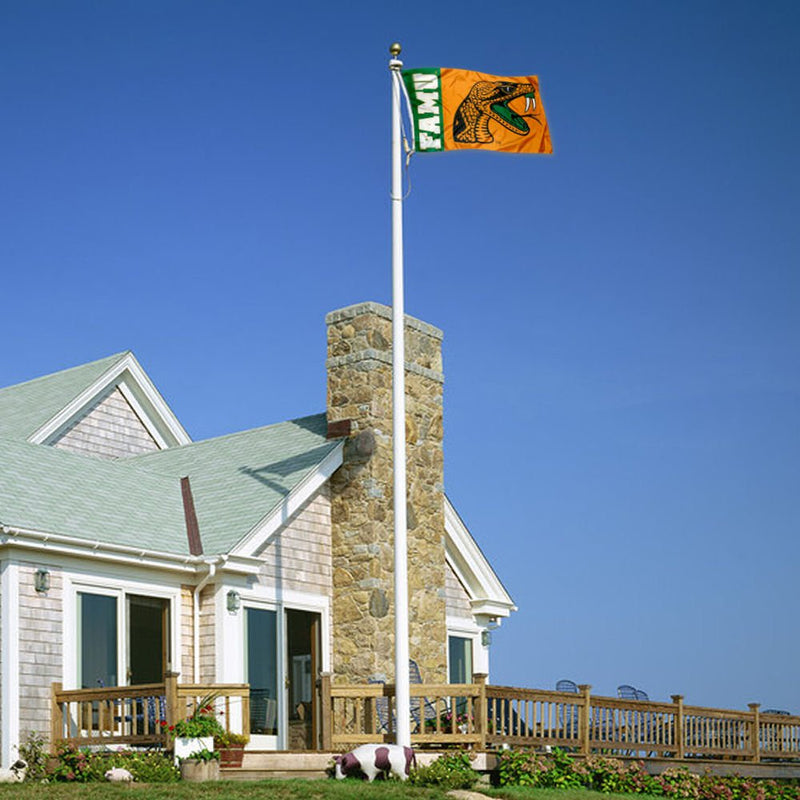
(41, 581)
(234, 601)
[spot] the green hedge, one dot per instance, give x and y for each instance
(604, 774)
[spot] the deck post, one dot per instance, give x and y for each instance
(680, 741)
(171, 696)
(755, 738)
(481, 712)
(584, 717)
(56, 719)
(325, 716)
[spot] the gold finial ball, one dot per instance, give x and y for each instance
(394, 49)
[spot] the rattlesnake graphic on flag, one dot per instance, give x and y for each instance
(489, 101)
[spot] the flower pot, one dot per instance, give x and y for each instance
(231, 756)
(195, 771)
(186, 747)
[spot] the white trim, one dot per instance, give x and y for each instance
(9, 655)
(150, 406)
(486, 593)
(82, 548)
(254, 542)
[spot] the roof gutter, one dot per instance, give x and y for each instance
(212, 571)
(117, 553)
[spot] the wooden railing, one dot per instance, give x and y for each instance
(133, 715)
(443, 714)
(486, 717)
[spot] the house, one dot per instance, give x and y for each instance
(129, 551)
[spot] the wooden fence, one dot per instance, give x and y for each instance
(133, 715)
(484, 717)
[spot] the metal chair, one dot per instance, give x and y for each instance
(626, 692)
(382, 709)
(568, 712)
(428, 709)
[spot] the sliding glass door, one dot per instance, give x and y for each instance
(282, 661)
(121, 639)
(97, 637)
(261, 654)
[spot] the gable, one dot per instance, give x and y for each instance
(487, 595)
(109, 428)
(125, 374)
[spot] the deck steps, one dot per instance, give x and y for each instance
(259, 765)
(262, 765)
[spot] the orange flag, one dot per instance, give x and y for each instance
(456, 109)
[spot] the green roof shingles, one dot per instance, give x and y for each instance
(236, 480)
(54, 491)
(25, 407)
(239, 479)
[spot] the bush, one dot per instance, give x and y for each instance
(83, 766)
(449, 771)
(604, 774)
(34, 752)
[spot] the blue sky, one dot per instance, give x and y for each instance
(201, 182)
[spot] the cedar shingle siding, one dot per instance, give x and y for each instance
(109, 429)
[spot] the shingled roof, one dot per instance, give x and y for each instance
(25, 407)
(236, 480)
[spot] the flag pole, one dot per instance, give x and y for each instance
(401, 676)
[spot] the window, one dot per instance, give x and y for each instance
(97, 634)
(459, 659)
(122, 639)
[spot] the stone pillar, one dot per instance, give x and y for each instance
(360, 390)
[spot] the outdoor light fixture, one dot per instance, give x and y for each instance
(41, 581)
(486, 638)
(234, 601)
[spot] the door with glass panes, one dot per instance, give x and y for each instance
(282, 660)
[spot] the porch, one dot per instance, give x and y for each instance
(475, 716)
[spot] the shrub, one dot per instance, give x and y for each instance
(604, 774)
(82, 766)
(34, 752)
(449, 771)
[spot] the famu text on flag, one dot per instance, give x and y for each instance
(454, 109)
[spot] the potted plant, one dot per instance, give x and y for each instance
(231, 748)
(203, 765)
(197, 732)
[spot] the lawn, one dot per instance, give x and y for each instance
(276, 790)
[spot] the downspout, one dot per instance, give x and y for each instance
(212, 571)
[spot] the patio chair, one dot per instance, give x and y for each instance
(428, 709)
(567, 686)
(626, 692)
(567, 712)
(381, 708)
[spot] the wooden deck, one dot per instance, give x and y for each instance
(476, 716)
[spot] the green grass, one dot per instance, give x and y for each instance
(223, 790)
(277, 790)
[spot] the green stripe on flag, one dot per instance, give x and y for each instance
(425, 91)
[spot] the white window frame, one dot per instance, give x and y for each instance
(118, 589)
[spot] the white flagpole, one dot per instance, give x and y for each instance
(401, 677)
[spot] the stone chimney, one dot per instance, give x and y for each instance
(360, 391)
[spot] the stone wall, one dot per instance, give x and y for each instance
(360, 390)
